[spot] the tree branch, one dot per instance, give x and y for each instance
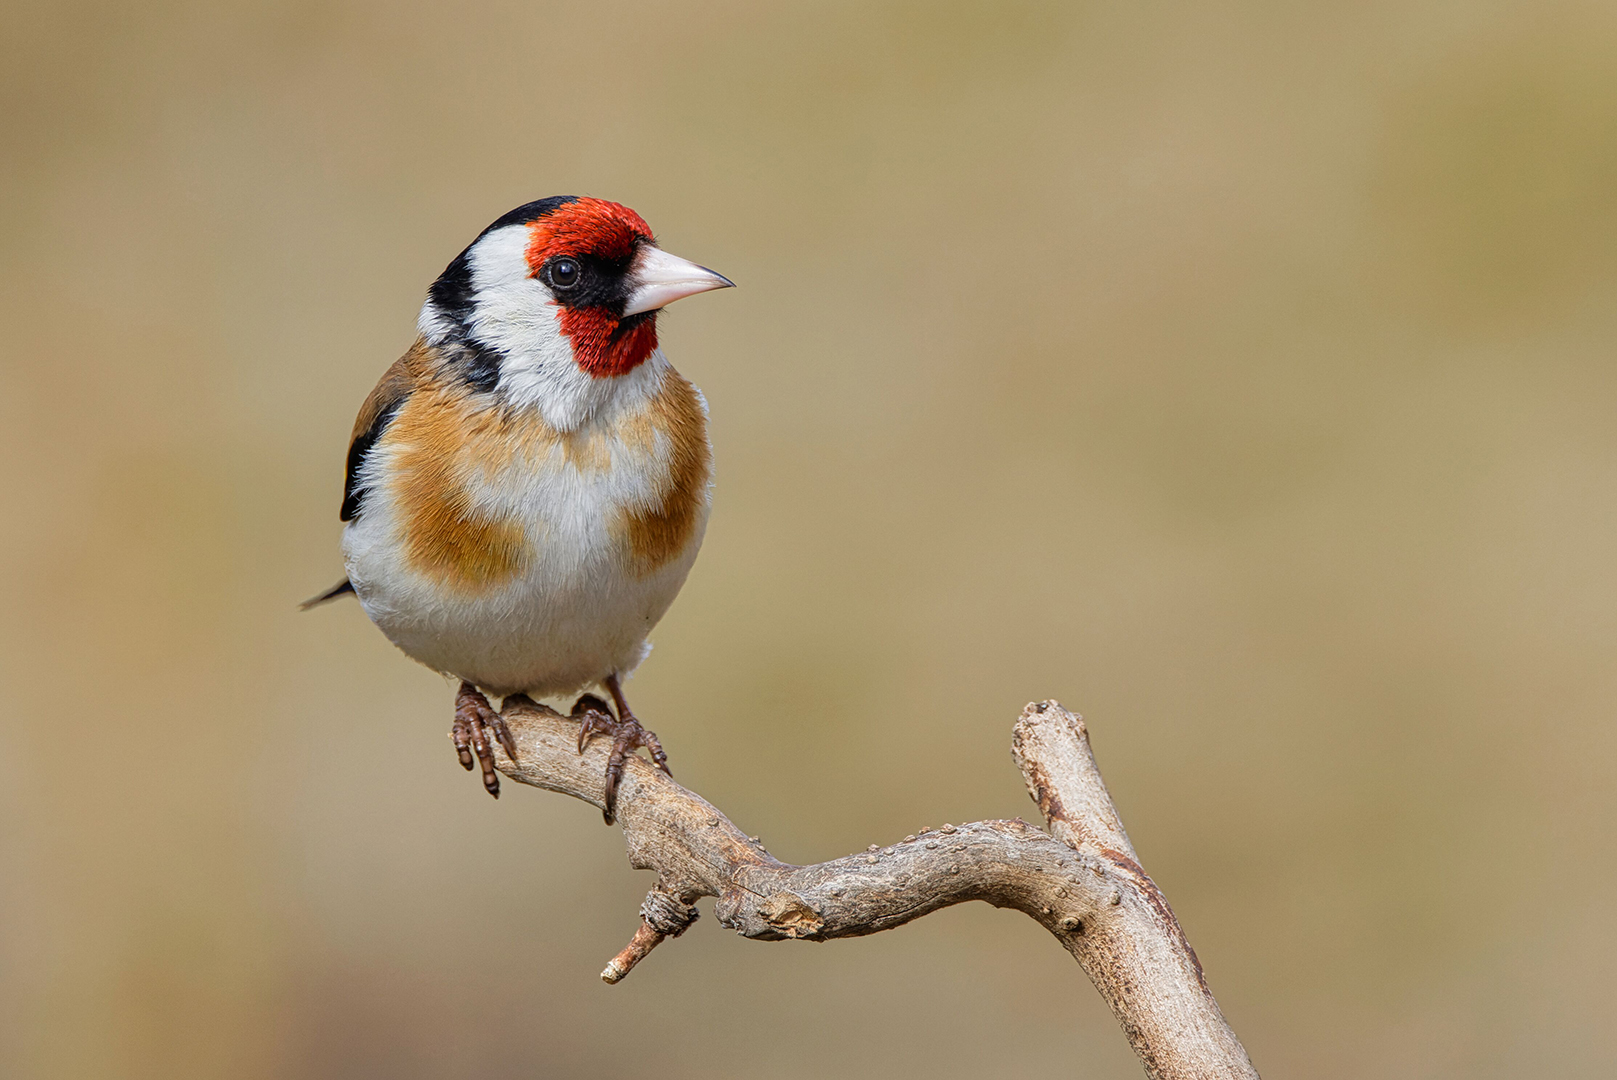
(1084, 883)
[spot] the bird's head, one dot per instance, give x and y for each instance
(565, 282)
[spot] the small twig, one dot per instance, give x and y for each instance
(645, 939)
(1084, 884)
(661, 916)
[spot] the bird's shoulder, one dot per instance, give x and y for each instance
(430, 435)
(407, 375)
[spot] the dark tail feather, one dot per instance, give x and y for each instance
(330, 594)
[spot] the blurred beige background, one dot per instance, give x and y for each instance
(1241, 375)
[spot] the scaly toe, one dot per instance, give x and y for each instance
(503, 733)
(474, 716)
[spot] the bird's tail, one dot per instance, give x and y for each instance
(330, 594)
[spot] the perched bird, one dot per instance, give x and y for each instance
(529, 484)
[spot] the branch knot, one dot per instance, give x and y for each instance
(664, 913)
(791, 915)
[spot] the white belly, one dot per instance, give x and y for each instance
(561, 627)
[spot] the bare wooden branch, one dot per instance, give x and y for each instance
(1084, 884)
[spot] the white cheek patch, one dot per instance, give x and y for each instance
(512, 311)
(515, 315)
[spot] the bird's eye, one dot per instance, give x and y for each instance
(563, 273)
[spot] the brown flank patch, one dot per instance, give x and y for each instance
(659, 532)
(441, 436)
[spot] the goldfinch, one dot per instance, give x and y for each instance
(529, 484)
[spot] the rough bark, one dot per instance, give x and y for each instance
(1081, 881)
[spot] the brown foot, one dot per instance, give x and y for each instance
(475, 718)
(594, 718)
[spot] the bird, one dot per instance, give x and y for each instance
(528, 485)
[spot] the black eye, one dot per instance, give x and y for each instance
(563, 273)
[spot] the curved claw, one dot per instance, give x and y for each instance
(594, 718)
(503, 733)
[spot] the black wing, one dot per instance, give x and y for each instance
(374, 416)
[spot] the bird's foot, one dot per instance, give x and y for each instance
(595, 718)
(475, 720)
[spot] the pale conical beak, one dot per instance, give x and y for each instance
(659, 279)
